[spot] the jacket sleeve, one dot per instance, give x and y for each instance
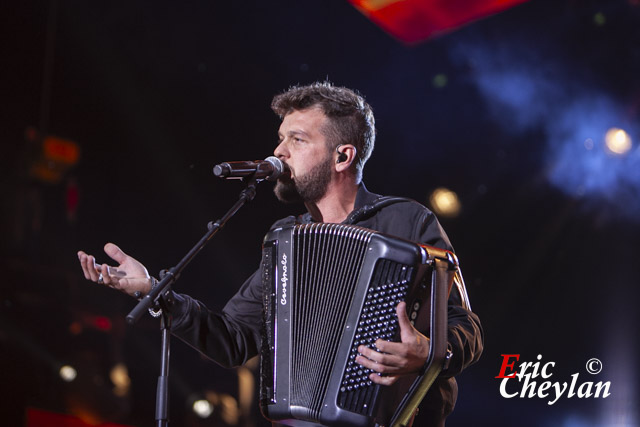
(231, 337)
(465, 334)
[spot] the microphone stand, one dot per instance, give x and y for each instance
(159, 298)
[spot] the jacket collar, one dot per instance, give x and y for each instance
(363, 198)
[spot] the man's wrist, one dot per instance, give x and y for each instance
(154, 311)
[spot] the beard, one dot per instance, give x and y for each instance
(309, 187)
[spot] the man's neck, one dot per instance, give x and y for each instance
(337, 203)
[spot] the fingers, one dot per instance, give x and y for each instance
(115, 253)
(88, 264)
(407, 331)
(383, 379)
(383, 373)
(106, 278)
(379, 361)
(95, 272)
(82, 257)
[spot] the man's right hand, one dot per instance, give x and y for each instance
(135, 281)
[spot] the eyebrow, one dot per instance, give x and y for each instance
(294, 133)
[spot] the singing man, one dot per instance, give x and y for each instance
(326, 136)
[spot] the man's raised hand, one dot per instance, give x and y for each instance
(130, 276)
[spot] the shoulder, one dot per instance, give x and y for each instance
(410, 207)
(403, 209)
(411, 220)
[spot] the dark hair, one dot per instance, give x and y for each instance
(350, 117)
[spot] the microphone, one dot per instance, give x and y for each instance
(270, 169)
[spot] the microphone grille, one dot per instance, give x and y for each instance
(278, 167)
(222, 170)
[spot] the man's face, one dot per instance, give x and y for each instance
(303, 147)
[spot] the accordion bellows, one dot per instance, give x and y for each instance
(329, 288)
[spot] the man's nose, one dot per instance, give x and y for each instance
(281, 150)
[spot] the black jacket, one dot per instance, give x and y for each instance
(233, 337)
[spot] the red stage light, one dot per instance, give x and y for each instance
(416, 20)
(40, 418)
(102, 323)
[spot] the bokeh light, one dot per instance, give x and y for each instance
(202, 408)
(618, 141)
(68, 373)
(445, 202)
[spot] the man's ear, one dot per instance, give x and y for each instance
(345, 155)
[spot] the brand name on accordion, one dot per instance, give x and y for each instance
(284, 279)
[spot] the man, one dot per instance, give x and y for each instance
(325, 138)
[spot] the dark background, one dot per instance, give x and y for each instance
(156, 93)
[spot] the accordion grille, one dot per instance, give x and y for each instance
(325, 285)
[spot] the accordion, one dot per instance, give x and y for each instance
(329, 288)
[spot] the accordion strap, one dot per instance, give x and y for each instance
(368, 210)
(438, 352)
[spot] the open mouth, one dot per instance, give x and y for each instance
(287, 176)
